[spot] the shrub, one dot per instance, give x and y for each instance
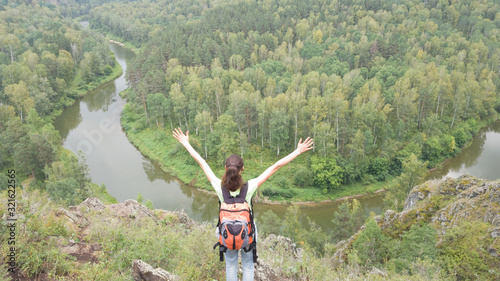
(327, 174)
(66, 190)
(108, 69)
(278, 192)
(417, 243)
(464, 252)
(303, 177)
(378, 167)
(372, 245)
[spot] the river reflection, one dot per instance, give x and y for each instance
(481, 159)
(101, 98)
(68, 120)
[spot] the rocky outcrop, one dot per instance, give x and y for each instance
(142, 271)
(443, 204)
(82, 252)
(130, 209)
(91, 203)
(78, 218)
(278, 247)
(75, 217)
(174, 217)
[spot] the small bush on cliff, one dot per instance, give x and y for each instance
(419, 243)
(372, 246)
(464, 254)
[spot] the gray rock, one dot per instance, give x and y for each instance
(416, 194)
(496, 220)
(142, 271)
(493, 252)
(495, 193)
(93, 204)
(76, 217)
(263, 272)
(441, 217)
(411, 200)
(376, 271)
(473, 192)
(130, 209)
(286, 243)
(83, 252)
(465, 182)
(389, 216)
(496, 233)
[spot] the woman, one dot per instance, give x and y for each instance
(233, 181)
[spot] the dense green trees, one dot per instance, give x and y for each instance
(368, 82)
(43, 55)
(45, 61)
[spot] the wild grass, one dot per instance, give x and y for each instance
(184, 249)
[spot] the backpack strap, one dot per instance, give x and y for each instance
(240, 198)
(254, 232)
(252, 247)
(222, 250)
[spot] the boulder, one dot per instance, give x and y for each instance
(142, 271)
(412, 200)
(278, 245)
(83, 252)
(264, 272)
(92, 203)
(496, 220)
(465, 182)
(495, 233)
(130, 209)
(174, 217)
(273, 241)
(75, 217)
(389, 216)
(376, 271)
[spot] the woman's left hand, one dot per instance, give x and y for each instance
(180, 136)
(304, 146)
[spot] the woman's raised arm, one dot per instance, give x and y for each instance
(184, 140)
(301, 147)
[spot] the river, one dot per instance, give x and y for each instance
(480, 159)
(92, 125)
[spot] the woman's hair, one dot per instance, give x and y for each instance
(232, 179)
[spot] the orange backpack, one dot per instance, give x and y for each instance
(236, 226)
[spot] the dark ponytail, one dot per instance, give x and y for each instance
(232, 179)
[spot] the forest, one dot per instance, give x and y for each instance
(47, 61)
(387, 89)
(373, 82)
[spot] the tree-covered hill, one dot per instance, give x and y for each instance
(46, 63)
(371, 81)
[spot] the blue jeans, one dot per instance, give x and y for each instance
(232, 265)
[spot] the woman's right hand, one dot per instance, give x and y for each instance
(304, 146)
(180, 136)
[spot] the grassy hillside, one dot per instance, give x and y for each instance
(449, 231)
